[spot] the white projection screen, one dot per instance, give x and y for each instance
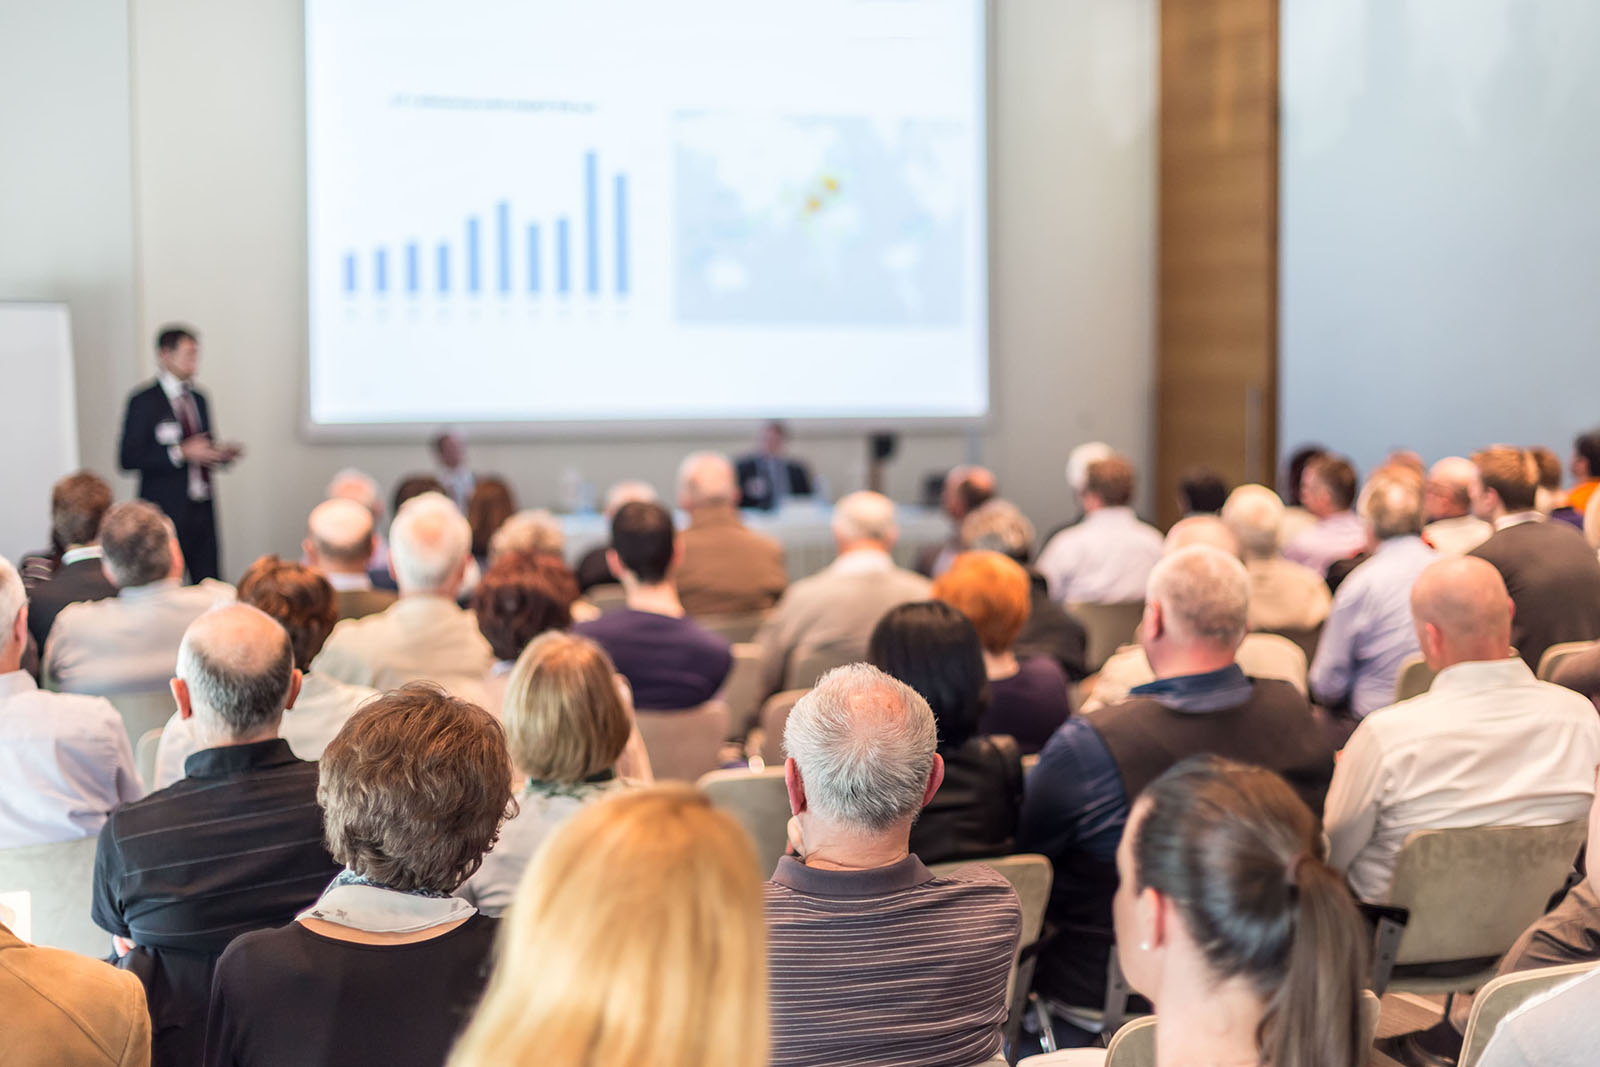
(560, 215)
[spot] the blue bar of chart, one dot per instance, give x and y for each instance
(488, 255)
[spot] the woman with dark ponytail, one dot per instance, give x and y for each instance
(1230, 921)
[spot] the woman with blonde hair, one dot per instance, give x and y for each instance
(636, 938)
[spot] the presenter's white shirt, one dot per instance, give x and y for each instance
(1105, 559)
(1487, 745)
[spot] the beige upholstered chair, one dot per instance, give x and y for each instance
(59, 880)
(759, 800)
(607, 598)
(1556, 653)
(1273, 656)
(774, 714)
(1109, 627)
(143, 712)
(144, 757)
(735, 629)
(683, 745)
(1414, 679)
(741, 692)
(809, 664)
(1505, 995)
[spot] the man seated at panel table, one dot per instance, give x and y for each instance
(768, 477)
(78, 503)
(726, 569)
(1106, 558)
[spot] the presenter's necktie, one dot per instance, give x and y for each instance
(188, 413)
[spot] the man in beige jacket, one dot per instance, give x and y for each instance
(67, 1010)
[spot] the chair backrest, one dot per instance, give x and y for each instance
(1471, 892)
(774, 713)
(1305, 640)
(1273, 656)
(59, 880)
(734, 628)
(1556, 653)
(683, 745)
(607, 598)
(144, 757)
(1108, 627)
(1504, 995)
(144, 711)
(1414, 679)
(1371, 1011)
(742, 690)
(760, 801)
(1031, 876)
(809, 664)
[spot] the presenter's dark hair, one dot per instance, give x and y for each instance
(1588, 446)
(642, 537)
(1203, 491)
(935, 649)
(1241, 857)
(171, 337)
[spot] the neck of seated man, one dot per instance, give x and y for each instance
(831, 845)
(655, 598)
(1179, 661)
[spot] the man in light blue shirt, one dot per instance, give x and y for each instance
(1369, 632)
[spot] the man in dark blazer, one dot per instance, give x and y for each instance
(77, 504)
(768, 477)
(167, 438)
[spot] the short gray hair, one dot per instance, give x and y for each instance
(1204, 595)
(999, 526)
(864, 743)
(136, 538)
(359, 486)
(1392, 502)
(864, 516)
(706, 479)
(12, 596)
(242, 684)
(1255, 515)
(430, 538)
(531, 531)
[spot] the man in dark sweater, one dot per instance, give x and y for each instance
(1090, 772)
(1550, 570)
(70, 571)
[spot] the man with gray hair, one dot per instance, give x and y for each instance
(235, 845)
(1077, 799)
(1284, 595)
(726, 568)
(859, 931)
(129, 643)
(340, 543)
(425, 636)
(830, 615)
(1000, 526)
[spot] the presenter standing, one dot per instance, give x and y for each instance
(167, 438)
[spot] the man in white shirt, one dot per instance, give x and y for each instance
(1107, 558)
(339, 543)
(65, 761)
(1452, 528)
(129, 643)
(1283, 595)
(1487, 745)
(425, 635)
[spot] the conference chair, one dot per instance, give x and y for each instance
(1306, 640)
(1505, 995)
(741, 692)
(1108, 627)
(1556, 653)
(683, 745)
(734, 628)
(1414, 679)
(58, 880)
(807, 665)
(607, 598)
(1263, 655)
(1029, 762)
(143, 711)
(760, 801)
(774, 714)
(1460, 898)
(144, 757)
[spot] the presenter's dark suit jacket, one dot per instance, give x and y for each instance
(167, 486)
(755, 489)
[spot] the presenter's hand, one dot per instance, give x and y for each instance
(227, 453)
(197, 449)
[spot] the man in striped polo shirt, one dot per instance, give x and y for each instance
(873, 959)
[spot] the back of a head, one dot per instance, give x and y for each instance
(1465, 599)
(864, 743)
(1110, 480)
(1449, 486)
(1255, 515)
(532, 532)
(1204, 595)
(565, 719)
(341, 532)
(489, 506)
(413, 789)
(1079, 459)
(1202, 491)
(1201, 530)
(359, 486)
(429, 545)
(138, 542)
(967, 488)
(1295, 469)
(413, 486)
(1587, 448)
(520, 597)
(934, 648)
(1549, 465)
(1392, 502)
(1241, 857)
(1337, 475)
(707, 480)
(864, 516)
(1512, 473)
(628, 491)
(643, 538)
(992, 591)
(300, 599)
(238, 665)
(999, 526)
(644, 884)
(78, 503)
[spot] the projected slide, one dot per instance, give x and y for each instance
(528, 211)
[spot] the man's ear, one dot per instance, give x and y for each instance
(935, 779)
(180, 696)
(795, 786)
(19, 627)
(614, 564)
(308, 549)
(294, 688)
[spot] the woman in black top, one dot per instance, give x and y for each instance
(387, 966)
(932, 647)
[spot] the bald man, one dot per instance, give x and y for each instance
(1452, 527)
(235, 845)
(1487, 745)
(726, 568)
(340, 543)
(966, 489)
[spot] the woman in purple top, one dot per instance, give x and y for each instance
(1028, 696)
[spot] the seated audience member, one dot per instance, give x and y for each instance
(488, 508)
(339, 543)
(1328, 492)
(129, 642)
(592, 569)
(1549, 496)
(1296, 518)
(567, 726)
(1229, 921)
(532, 532)
(1284, 596)
(1201, 491)
(361, 487)
(1452, 527)
(65, 761)
(859, 931)
(1581, 673)
(1028, 695)
(1487, 745)
(666, 966)
(387, 965)
(409, 488)
(236, 845)
(672, 662)
(1106, 558)
(1586, 469)
(519, 598)
(966, 489)
(302, 602)
(1551, 571)
(834, 610)
(1569, 932)
(1000, 527)
(63, 1009)
(768, 477)
(726, 569)
(934, 649)
(423, 636)
(1558, 1029)
(1077, 798)
(1369, 633)
(77, 504)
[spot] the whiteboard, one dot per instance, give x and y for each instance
(41, 423)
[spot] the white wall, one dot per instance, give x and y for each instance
(1440, 229)
(217, 103)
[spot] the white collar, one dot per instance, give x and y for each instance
(139, 592)
(348, 583)
(1517, 518)
(81, 553)
(15, 683)
(169, 383)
